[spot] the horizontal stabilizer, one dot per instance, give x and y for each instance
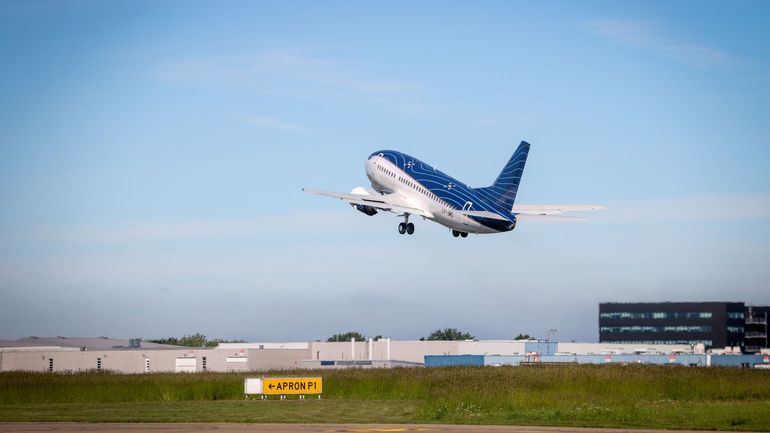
(547, 218)
(484, 214)
(554, 209)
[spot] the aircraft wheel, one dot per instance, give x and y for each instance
(463, 234)
(402, 228)
(410, 228)
(455, 233)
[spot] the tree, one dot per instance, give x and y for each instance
(448, 334)
(346, 337)
(523, 337)
(215, 342)
(195, 340)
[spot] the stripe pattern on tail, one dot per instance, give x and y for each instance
(502, 193)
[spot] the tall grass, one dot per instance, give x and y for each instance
(105, 387)
(546, 384)
(588, 395)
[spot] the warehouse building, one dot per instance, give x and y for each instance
(136, 356)
(712, 324)
(60, 354)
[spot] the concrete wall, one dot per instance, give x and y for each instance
(135, 361)
(491, 347)
(276, 359)
(125, 361)
(331, 364)
(411, 351)
(415, 351)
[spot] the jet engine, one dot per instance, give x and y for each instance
(360, 207)
(366, 209)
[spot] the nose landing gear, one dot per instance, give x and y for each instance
(406, 226)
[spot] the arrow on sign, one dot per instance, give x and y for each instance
(271, 386)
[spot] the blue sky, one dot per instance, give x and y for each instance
(152, 156)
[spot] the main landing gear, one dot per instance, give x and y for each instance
(455, 233)
(406, 226)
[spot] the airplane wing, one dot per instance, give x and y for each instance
(386, 202)
(553, 209)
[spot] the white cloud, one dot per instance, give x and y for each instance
(646, 35)
(285, 72)
(303, 74)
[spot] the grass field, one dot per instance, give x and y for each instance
(596, 396)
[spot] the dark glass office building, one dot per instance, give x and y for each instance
(714, 324)
(755, 337)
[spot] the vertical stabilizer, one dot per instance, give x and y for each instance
(502, 193)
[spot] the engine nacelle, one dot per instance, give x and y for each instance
(360, 207)
(366, 209)
(360, 190)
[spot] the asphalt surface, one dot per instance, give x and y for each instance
(299, 428)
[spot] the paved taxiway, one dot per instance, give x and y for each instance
(298, 428)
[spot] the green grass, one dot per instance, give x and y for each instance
(291, 411)
(632, 396)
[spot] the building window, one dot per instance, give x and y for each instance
(657, 315)
(687, 328)
(735, 329)
(639, 328)
(691, 342)
(735, 314)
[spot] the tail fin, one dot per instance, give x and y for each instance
(502, 193)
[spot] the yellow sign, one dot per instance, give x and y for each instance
(291, 385)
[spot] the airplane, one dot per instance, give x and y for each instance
(407, 186)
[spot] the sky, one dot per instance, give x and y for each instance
(152, 155)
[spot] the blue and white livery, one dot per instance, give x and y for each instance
(407, 186)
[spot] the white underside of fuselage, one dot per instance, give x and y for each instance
(437, 210)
